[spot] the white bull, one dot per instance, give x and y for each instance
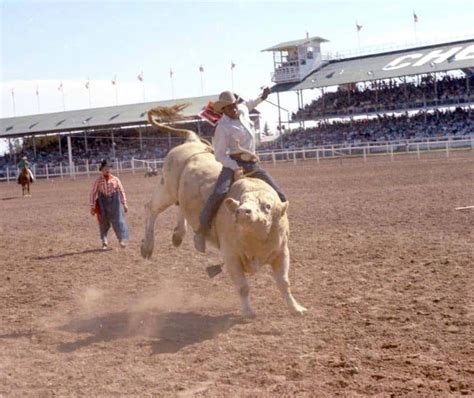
(250, 229)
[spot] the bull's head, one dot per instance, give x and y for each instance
(256, 213)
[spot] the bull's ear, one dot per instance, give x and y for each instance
(284, 207)
(231, 205)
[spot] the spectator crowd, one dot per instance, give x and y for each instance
(125, 144)
(441, 124)
(389, 95)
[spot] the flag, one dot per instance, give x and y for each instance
(201, 69)
(60, 88)
(210, 115)
(415, 17)
(140, 76)
(358, 27)
(232, 65)
(87, 85)
(114, 80)
(37, 91)
(171, 73)
(13, 92)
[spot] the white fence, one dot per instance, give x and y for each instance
(365, 151)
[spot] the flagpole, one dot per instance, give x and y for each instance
(358, 28)
(172, 83)
(38, 99)
(143, 87)
(202, 84)
(64, 100)
(13, 102)
(232, 74)
(415, 20)
(89, 92)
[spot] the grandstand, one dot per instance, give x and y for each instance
(361, 98)
(67, 140)
(410, 94)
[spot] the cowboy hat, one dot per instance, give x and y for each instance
(103, 164)
(225, 98)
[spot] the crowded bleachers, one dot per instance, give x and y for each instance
(124, 146)
(336, 127)
(437, 124)
(389, 95)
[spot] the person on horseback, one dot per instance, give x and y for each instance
(24, 164)
(109, 202)
(234, 133)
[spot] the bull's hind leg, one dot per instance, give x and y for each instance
(237, 275)
(159, 202)
(180, 229)
(281, 266)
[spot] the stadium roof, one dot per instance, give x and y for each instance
(295, 43)
(112, 116)
(414, 61)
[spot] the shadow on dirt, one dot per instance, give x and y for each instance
(169, 332)
(62, 255)
(11, 198)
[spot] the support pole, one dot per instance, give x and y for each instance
(87, 167)
(69, 151)
(418, 150)
(279, 120)
(47, 171)
(61, 170)
(34, 146)
(60, 148)
(8, 175)
(113, 143)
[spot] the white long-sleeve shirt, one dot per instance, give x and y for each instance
(229, 130)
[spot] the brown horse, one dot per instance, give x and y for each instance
(24, 180)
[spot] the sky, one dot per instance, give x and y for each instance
(44, 43)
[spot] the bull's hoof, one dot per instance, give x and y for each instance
(249, 313)
(177, 239)
(146, 249)
(298, 310)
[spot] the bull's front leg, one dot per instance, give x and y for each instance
(159, 202)
(281, 267)
(237, 275)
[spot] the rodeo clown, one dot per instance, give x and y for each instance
(109, 202)
(234, 132)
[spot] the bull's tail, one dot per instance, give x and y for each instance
(164, 113)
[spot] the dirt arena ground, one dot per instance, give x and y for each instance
(380, 258)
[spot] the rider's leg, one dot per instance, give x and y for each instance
(222, 187)
(258, 172)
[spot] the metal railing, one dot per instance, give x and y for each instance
(269, 156)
